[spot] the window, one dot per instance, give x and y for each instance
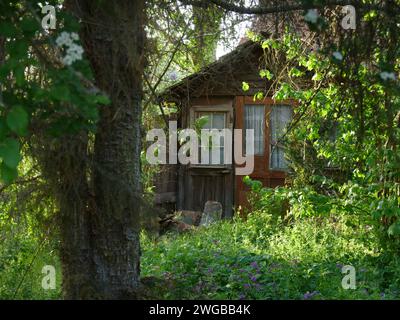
(254, 118)
(213, 120)
(279, 118)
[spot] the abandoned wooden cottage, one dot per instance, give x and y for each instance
(217, 93)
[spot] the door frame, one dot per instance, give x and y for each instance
(262, 169)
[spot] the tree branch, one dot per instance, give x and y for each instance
(276, 8)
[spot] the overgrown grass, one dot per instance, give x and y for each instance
(22, 258)
(266, 259)
(261, 258)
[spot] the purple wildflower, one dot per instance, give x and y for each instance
(254, 265)
(246, 286)
(253, 278)
(309, 295)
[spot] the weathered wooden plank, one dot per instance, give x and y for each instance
(166, 197)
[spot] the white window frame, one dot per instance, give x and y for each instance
(227, 110)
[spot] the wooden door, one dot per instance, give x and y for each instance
(201, 182)
(255, 115)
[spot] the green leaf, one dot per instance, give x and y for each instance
(61, 93)
(265, 44)
(3, 129)
(29, 25)
(317, 76)
(90, 112)
(266, 74)
(294, 72)
(17, 120)
(394, 229)
(245, 86)
(18, 50)
(9, 152)
(102, 99)
(258, 96)
(200, 123)
(19, 75)
(7, 29)
(7, 174)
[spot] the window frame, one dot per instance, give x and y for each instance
(212, 113)
(213, 107)
(277, 104)
(262, 163)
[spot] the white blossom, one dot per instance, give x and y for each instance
(387, 75)
(73, 51)
(62, 38)
(67, 60)
(74, 36)
(338, 56)
(311, 16)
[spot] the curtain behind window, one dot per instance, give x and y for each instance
(254, 118)
(279, 118)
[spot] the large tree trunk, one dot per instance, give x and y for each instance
(113, 36)
(75, 216)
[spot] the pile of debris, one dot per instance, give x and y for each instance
(186, 220)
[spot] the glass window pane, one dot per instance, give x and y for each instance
(254, 119)
(222, 159)
(218, 121)
(208, 116)
(279, 118)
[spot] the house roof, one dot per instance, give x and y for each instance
(224, 76)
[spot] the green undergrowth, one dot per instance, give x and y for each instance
(260, 258)
(265, 258)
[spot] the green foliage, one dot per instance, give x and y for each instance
(17, 120)
(342, 147)
(41, 94)
(24, 251)
(22, 258)
(245, 86)
(266, 258)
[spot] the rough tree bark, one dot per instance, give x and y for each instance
(105, 233)
(72, 193)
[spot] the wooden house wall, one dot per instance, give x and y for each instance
(221, 82)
